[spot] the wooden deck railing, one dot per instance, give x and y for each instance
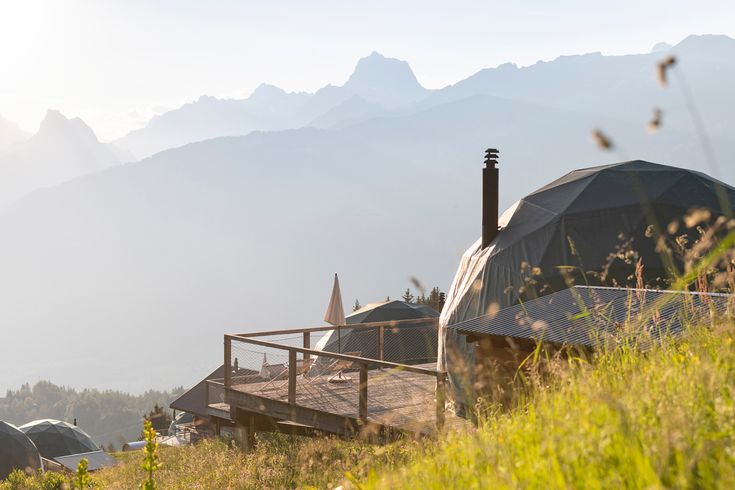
(363, 363)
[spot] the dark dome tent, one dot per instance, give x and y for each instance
(17, 451)
(570, 227)
(409, 344)
(56, 438)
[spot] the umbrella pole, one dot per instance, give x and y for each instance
(339, 339)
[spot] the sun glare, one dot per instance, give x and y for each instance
(26, 28)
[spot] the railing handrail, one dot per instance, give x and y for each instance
(334, 355)
(385, 324)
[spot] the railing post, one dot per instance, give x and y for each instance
(363, 398)
(291, 377)
(381, 342)
(228, 363)
(441, 386)
(307, 345)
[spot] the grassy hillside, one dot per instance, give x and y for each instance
(664, 418)
(632, 420)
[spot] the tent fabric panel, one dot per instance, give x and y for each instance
(557, 198)
(612, 189)
(17, 451)
(57, 438)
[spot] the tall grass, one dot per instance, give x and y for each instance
(628, 419)
(278, 461)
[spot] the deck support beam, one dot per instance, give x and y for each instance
(228, 361)
(292, 377)
(363, 397)
(307, 345)
(441, 387)
(381, 342)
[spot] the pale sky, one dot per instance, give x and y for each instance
(116, 63)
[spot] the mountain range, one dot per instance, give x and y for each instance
(129, 275)
(60, 150)
(377, 83)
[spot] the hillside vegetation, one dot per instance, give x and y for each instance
(110, 417)
(663, 418)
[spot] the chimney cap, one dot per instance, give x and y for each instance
(491, 155)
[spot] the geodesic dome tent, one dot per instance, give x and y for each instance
(570, 227)
(17, 451)
(409, 344)
(57, 438)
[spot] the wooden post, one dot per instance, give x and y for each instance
(292, 377)
(228, 364)
(251, 431)
(381, 342)
(441, 387)
(363, 398)
(241, 436)
(307, 344)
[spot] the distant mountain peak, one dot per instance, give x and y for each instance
(266, 91)
(714, 45)
(377, 67)
(10, 133)
(55, 124)
(206, 98)
(380, 79)
(661, 47)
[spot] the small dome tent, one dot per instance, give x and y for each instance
(17, 451)
(56, 438)
(410, 344)
(569, 228)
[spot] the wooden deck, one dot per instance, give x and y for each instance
(397, 400)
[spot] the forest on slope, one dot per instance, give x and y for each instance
(110, 417)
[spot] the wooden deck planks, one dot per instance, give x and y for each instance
(396, 398)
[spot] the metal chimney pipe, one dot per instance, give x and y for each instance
(490, 187)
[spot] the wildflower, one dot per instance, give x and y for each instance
(492, 309)
(662, 69)
(655, 123)
(696, 216)
(602, 141)
(539, 326)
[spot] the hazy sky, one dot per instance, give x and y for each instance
(115, 63)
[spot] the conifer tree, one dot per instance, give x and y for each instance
(436, 299)
(407, 296)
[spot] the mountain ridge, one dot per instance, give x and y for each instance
(61, 149)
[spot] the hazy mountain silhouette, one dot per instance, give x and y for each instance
(61, 149)
(622, 87)
(241, 233)
(351, 111)
(10, 134)
(377, 80)
(385, 81)
(268, 108)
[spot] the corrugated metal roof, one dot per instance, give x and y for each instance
(587, 315)
(96, 460)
